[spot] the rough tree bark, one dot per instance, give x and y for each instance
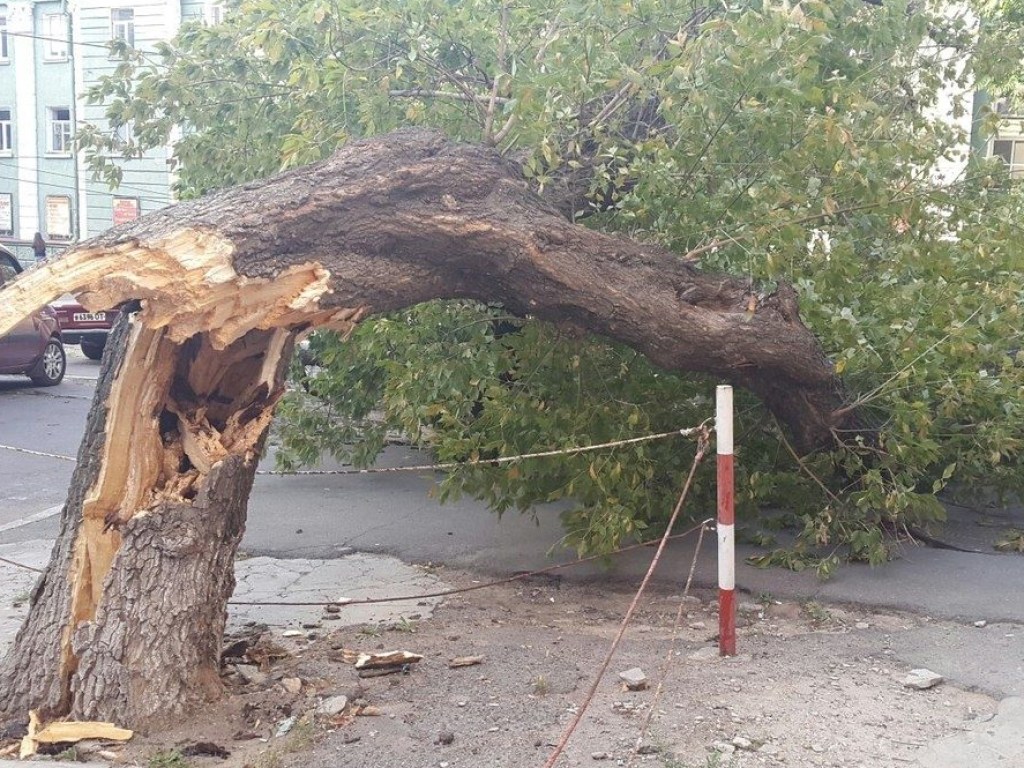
(224, 284)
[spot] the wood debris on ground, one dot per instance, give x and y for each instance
(386, 659)
(465, 661)
(67, 731)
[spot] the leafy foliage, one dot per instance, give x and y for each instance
(816, 142)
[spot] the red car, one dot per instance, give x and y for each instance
(80, 326)
(33, 347)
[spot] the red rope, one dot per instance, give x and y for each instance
(702, 446)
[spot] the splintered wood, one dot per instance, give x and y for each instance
(187, 285)
(376, 664)
(176, 411)
(70, 731)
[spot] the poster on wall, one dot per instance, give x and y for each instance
(125, 209)
(58, 218)
(6, 213)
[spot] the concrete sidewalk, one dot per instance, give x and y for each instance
(989, 659)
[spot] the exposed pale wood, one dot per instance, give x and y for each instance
(465, 661)
(28, 741)
(188, 285)
(67, 731)
(386, 659)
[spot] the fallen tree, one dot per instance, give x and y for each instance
(125, 625)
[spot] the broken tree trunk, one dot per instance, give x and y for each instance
(126, 623)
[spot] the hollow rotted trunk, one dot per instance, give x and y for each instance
(125, 624)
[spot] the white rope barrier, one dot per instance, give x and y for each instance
(687, 432)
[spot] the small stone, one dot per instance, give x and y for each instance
(292, 684)
(922, 679)
(648, 749)
(442, 765)
(749, 607)
(600, 756)
(817, 748)
(251, 674)
(698, 625)
(724, 747)
(311, 625)
(634, 678)
(981, 624)
(332, 608)
(445, 738)
(293, 633)
(742, 742)
(107, 754)
(333, 705)
(769, 749)
(285, 726)
(862, 625)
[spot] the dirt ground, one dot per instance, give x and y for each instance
(813, 685)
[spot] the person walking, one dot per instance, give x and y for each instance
(39, 247)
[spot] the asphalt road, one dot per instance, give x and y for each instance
(295, 516)
(394, 513)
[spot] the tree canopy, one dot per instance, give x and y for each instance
(820, 143)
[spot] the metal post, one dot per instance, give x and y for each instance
(726, 523)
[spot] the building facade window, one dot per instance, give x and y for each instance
(6, 132)
(60, 131)
(1011, 152)
(122, 25)
(5, 55)
(213, 12)
(55, 34)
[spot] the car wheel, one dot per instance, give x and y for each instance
(92, 351)
(49, 371)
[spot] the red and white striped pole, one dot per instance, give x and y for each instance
(726, 523)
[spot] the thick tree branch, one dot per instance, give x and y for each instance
(409, 217)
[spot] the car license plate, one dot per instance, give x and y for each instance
(89, 317)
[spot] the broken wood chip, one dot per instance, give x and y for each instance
(344, 656)
(69, 731)
(264, 653)
(386, 659)
(369, 711)
(382, 671)
(465, 661)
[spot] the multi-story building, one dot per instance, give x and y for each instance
(51, 51)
